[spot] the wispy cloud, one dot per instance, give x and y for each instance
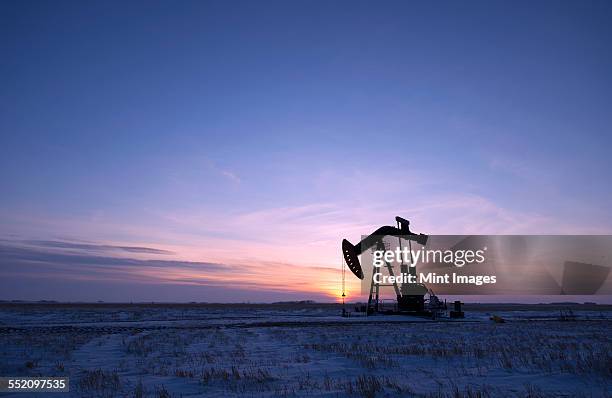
(290, 247)
(42, 261)
(231, 176)
(94, 247)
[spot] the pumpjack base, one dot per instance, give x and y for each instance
(406, 305)
(411, 303)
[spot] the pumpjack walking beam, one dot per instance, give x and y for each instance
(351, 252)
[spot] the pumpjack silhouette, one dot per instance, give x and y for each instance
(410, 296)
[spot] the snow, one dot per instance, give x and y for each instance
(270, 351)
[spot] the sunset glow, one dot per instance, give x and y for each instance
(229, 165)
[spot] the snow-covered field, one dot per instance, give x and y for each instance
(259, 350)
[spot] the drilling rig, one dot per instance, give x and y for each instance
(412, 298)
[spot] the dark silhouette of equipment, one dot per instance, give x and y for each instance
(412, 298)
(351, 251)
(456, 312)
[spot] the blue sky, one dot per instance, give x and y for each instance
(251, 133)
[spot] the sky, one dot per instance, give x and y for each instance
(221, 150)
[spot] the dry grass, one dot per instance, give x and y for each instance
(362, 360)
(100, 382)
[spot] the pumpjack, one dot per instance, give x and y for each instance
(411, 297)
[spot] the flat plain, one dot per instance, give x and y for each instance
(306, 349)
